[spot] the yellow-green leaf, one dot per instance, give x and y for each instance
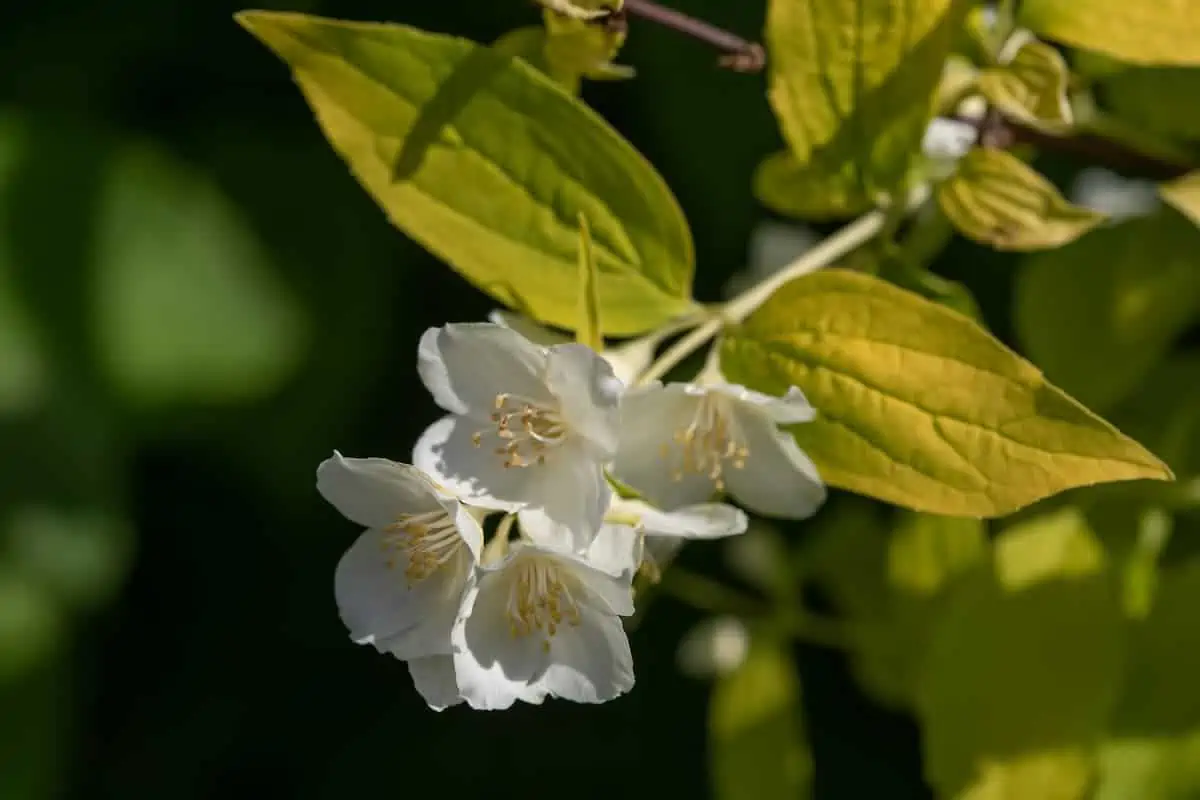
(757, 746)
(578, 49)
(1184, 195)
(589, 303)
(927, 550)
(998, 200)
(488, 163)
(1141, 32)
(1014, 670)
(1098, 314)
(1031, 86)
(1150, 769)
(783, 185)
(918, 405)
(1045, 775)
(853, 83)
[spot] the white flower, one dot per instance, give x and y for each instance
(662, 533)
(530, 427)
(400, 585)
(682, 442)
(547, 623)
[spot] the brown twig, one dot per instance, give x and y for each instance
(998, 131)
(740, 55)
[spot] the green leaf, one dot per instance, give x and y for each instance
(578, 49)
(1046, 775)
(1164, 414)
(783, 185)
(1184, 195)
(1149, 769)
(488, 164)
(927, 550)
(919, 406)
(187, 307)
(1158, 32)
(1158, 99)
(757, 745)
(1098, 314)
(853, 84)
(1023, 667)
(1000, 201)
(589, 303)
(1031, 86)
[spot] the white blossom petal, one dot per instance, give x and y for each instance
(779, 479)
(433, 677)
(701, 521)
(529, 328)
(464, 366)
(792, 408)
(374, 492)
(448, 453)
(591, 662)
(589, 394)
(610, 580)
(648, 453)
(379, 606)
(616, 550)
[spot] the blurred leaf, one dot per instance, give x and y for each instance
(757, 745)
(79, 556)
(926, 550)
(853, 86)
(31, 624)
(1048, 775)
(187, 309)
(1160, 32)
(760, 557)
(1159, 99)
(1164, 413)
(784, 185)
(1025, 662)
(918, 405)
(998, 200)
(1098, 314)
(1184, 194)
(37, 707)
(487, 163)
(1032, 86)
(1150, 769)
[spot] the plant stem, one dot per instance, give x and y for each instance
(829, 250)
(740, 54)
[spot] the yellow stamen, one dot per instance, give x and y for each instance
(540, 600)
(708, 444)
(528, 430)
(426, 541)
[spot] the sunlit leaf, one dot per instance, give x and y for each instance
(1184, 195)
(1098, 314)
(757, 745)
(1158, 32)
(1031, 86)
(578, 49)
(588, 331)
(782, 184)
(187, 306)
(853, 86)
(919, 406)
(488, 163)
(999, 200)
(1149, 769)
(1021, 667)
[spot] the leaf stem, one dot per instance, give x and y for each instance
(740, 55)
(829, 250)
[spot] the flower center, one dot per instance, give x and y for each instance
(427, 541)
(707, 443)
(540, 600)
(528, 429)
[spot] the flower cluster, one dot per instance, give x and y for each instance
(537, 434)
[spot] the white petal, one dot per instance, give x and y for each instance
(464, 366)
(543, 532)
(448, 454)
(589, 394)
(494, 669)
(433, 677)
(374, 491)
(616, 550)
(527, 327)
(650, 416)
(779, 480)
(612, 588)
(591, 662)
(378, 607)
(792, 408)
(569, 493)
(702, 521)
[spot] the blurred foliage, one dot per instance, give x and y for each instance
(198, 303)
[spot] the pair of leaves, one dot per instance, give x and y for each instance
(919, 406)
(488, 163)
(852, 84)
(1031, 85)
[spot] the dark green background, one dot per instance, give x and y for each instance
(215, 666)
